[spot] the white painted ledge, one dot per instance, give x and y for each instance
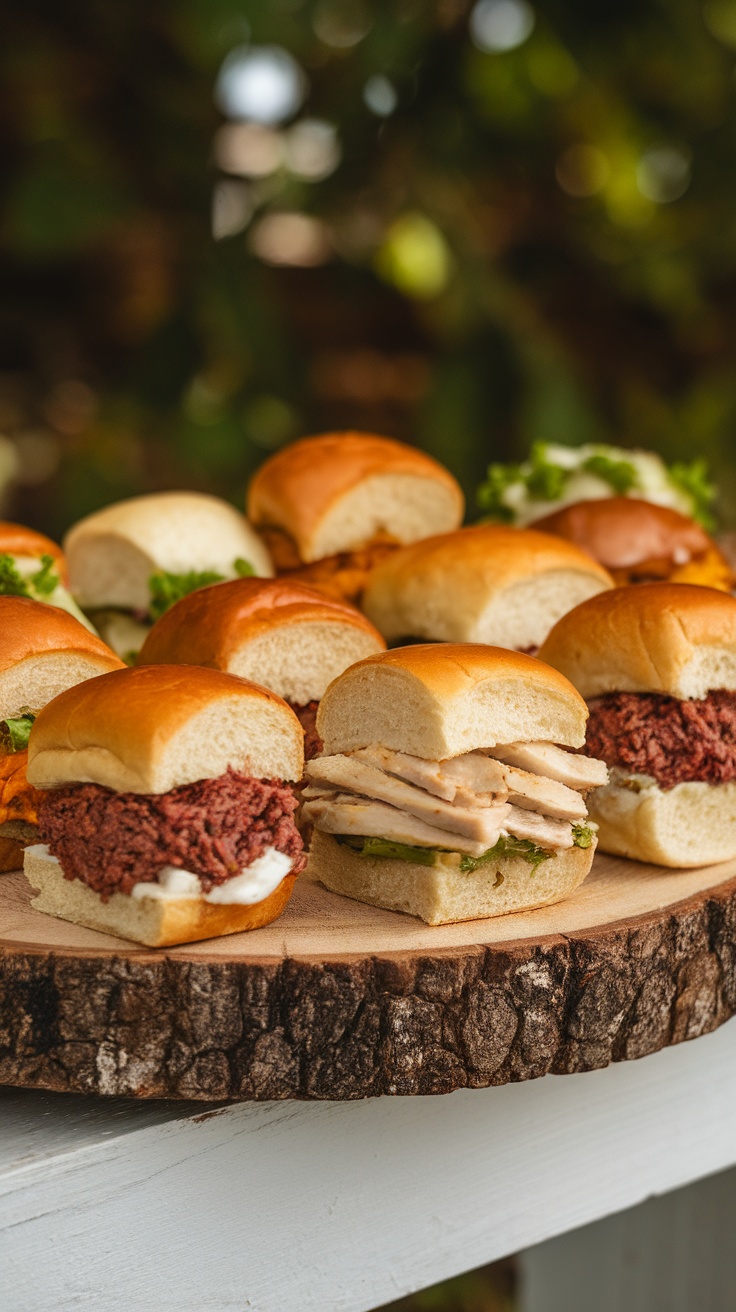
(308, 1206)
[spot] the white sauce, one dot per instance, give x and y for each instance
(255, 883)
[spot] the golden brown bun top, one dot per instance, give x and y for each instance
(31, 628)
(624, 531)
(206, 627)
(18, 540)
(154, 728)
(298, 485)
(498, 551)
(437, 700)
(672, 638)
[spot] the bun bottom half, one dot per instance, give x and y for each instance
(442, 894)
(692, 824)
(155, 922)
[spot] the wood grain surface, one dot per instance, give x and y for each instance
(338, 1000)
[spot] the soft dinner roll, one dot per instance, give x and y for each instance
(490, 584)
(669, 638)
(276, 632)
(43, 651)
(153, 729)
(339, 492)
(112, 554)
(640, 542)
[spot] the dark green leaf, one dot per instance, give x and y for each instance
(244, 569)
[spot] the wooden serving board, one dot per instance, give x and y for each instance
(339, 1000)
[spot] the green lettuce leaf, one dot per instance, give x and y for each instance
(166, 589)
(37, 586)
(582, 835)
(619, 474)
(508, 846)
(693, 479)
(11, 582)
(545, 481)
(490, 493)
(15, 732)
(385, 847)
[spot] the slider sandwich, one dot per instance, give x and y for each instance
(639, 542)
(331, 507)
(657, 666)
(446, 788)
(274, 631)
(33, 566)
(43, 651)
(129, 562)
(166, 813)
(491, 584)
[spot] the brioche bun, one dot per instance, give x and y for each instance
(287, 637)
(112, 553)
(672, 638)
(151, 729)
(692, 824)
(18, 540)
(338, 491)
(442, 894)
(636, 539)
(155, 922)
(492, 584)
(438, 701)
(44, 651)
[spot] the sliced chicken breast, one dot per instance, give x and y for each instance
(538, 828)
(536, 793)
(345, 772)
(554, 762)
(358, 816)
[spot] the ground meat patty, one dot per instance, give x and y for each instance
(674, 741)
(215, 828)
(307, 716)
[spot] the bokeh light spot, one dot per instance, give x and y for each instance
(291, 239)
(342, 23)
(582, 170)
(248, 150)
(380, 95)
(498, 25)
(720, 19)
(312, 150)
(663, 174)
(261, 83)
(415, 256)
(232, 208)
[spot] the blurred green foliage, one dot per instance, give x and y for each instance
(536, 243)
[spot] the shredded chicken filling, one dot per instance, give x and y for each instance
(532, 791)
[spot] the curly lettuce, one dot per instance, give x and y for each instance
(166, 588)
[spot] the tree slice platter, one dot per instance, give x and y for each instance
(341, 1000)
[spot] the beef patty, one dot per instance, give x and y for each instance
(674, 741)
(214, 828)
